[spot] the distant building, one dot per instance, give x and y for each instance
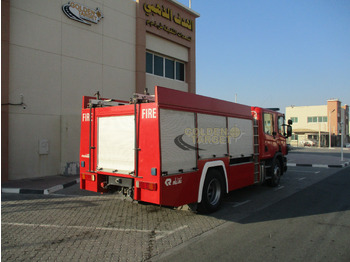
(315, 124)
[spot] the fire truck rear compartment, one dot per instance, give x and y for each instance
(115, 150)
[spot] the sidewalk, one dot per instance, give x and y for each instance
(42, 185)
(316, 159)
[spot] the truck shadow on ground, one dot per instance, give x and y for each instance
(327, 196)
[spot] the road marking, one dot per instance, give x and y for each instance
(302, 178)
(278, 188)
(319, 165)
(76, 227)
(312, 172)
(171, 232)
(237, 204)
(160, 232)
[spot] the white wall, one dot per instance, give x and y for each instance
(303, 112)
(166, 47)
(54, 61)
(153, 80)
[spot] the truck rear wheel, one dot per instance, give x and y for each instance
(212, 192)
(276, 173)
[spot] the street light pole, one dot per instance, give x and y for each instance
(329, 129)
(329, 121)
(342, 142)
(342, 132)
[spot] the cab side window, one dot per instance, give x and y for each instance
(268, 124)
(280, 125)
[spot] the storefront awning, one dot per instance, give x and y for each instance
(308, 131)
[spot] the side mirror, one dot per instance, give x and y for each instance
(289, 130)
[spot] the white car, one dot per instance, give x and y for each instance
(308, 142)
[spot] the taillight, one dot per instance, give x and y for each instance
(88, 177)
(146, 185)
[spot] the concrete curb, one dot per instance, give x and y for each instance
(319, 165)
(40, 191)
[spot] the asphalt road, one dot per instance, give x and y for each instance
(306, 217)
(310, 225)
(335, 151)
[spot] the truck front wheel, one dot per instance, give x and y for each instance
(212, 192)
(276, 172)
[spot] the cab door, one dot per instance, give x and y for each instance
(270, 134)
(281, 132)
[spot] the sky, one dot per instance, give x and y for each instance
(273, 53)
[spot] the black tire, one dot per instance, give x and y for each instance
(213, 191)
(275, 173)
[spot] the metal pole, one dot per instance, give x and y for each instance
(329, 121)
(329, 129)
(342, 143)
(319, 135)
(136, 142)
(342, 132)
(90, 149)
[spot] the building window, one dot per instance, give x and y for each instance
(180, 71)
(294, 137)
(149, 63)
(315, 119)
(169, 68)
(158, 65)
(320, 119)
(312, 119)
(165, 67)
(294, 119)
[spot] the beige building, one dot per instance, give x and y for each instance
(315, 124)
(54, 52)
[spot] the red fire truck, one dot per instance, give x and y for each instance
(175, 148)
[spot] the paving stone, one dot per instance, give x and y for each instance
(93, 228)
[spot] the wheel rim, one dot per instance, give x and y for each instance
(214, 192)
(277, 173)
